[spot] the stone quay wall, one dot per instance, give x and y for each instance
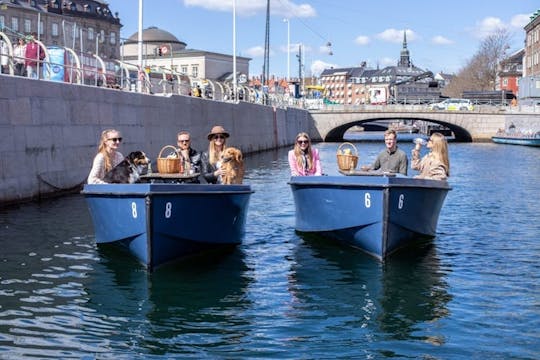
(50, 131)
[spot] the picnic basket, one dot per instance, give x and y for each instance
(347, 156)
(169, 165)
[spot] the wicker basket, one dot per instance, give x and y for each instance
(347, 157)
(169, 165)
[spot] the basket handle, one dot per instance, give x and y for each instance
(166, 146)
(351, 145)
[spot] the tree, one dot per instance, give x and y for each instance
(480, 72)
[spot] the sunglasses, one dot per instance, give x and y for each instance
(183, 141)
(302, 141)
(118, 139)
(219, 137)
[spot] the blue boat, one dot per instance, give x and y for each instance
(162, 222)
(378, 214)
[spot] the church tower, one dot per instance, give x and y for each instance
(405, 58)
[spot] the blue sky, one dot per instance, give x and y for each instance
(441, 35)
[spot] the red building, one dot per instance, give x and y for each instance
(510, 71)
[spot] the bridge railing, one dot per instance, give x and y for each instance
(422, 108)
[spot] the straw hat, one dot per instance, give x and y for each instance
(218, 129)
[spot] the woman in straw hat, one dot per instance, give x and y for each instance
(210, 159)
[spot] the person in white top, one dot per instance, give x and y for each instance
(3, 57)
(18, 57)
(107, 157)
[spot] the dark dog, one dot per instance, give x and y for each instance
(129, 170)
(232, 162)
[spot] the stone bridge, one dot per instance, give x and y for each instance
(468, 126)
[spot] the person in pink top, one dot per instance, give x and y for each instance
(304, 160)
(34, 54)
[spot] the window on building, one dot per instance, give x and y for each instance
(27, 26)
(15, 24)
(195, 71)
(41, 29)
(102, 36)
(54, 29)
(113, 38)
(2, 21)
(184, 69)
(90, 33)
(505, 82)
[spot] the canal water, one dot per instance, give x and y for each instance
(472, 293)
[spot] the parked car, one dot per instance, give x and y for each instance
(453, 105)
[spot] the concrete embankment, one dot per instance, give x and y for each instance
(50, 130)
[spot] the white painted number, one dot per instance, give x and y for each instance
(168, 208)
(400, 202)
(134, 210)
(367, 200)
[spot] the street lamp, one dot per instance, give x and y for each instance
(139, 48)
(288, 49)
(234, 52)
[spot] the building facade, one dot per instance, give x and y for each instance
(162, 49)
(86, 26)
(510, 71)
(403, 83)
(529, 84)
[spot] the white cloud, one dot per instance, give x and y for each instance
(520, 20)
(396, 36)
(318, 66)
(386, 61)
(489, 26)
(441, 40)
(253, 7)
(362, 40)
(255, 51)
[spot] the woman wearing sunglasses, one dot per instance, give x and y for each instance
(107, 157)
(435, 165)
(211, 159)
(303, 159)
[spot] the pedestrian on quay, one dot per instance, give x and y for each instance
(19, 53)
(34, 55)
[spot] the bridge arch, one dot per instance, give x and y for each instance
(467, 126)
(336, 134)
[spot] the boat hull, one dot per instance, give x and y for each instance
(516, 140)
(377, 214)
(160, 223)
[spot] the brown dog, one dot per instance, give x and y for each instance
(232, 162)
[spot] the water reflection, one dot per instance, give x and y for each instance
(176, 308)
(356, 291)
(414, 291)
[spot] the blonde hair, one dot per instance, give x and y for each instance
(298, 152)
(102, 148)
(439, 149)
(213, 153)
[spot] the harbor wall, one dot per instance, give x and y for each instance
(50, 130)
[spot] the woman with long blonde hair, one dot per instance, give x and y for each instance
(435, 165)
(107, 156)
(211, 159)
(304, 160)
